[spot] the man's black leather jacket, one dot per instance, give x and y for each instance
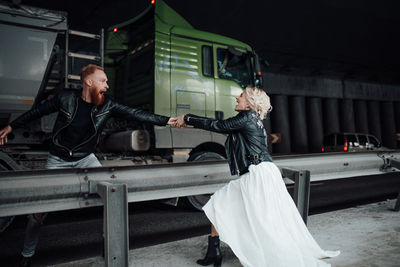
(66, 103)
(247, 138)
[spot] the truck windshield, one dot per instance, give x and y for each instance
(235, 68)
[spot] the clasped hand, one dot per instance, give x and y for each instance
(3, 134)
(177, 122)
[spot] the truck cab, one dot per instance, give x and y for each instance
(159, 62)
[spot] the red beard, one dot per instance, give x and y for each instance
(97, 98)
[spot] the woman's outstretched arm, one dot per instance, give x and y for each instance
(220, 126)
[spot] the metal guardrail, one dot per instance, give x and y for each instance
(24, 192)
(326, 166)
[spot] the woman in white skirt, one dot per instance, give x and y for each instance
(254, 215)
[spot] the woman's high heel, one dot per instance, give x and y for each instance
(213, 255)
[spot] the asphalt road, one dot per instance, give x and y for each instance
(77, 234)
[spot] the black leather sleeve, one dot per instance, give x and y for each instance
(138, 114)
(220, 126)
(49, 106)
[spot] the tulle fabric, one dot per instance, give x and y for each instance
(257, 218)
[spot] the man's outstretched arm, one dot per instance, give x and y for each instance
(45, 108)
(141, 115)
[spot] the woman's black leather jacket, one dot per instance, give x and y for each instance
(66, 103)
(247, 139)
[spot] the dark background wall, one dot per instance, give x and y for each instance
(356, 39)
(307, 108)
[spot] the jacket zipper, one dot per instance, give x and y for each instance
(73, 116)
(101, 114)
(66, 113)
(234, 159)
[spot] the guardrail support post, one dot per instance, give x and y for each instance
(395, 163)
(302, 193)
(397, 205)
(116, 232)
(301, 179)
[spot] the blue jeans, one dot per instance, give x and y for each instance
(33, 226)
(54, 162)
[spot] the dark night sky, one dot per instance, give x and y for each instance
(344, 38)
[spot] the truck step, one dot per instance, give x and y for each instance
(85, 34)
(74, 77)
(84, 56)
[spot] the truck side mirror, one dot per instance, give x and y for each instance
(257, 67)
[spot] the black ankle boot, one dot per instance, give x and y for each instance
(213, 255)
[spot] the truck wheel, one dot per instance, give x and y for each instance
(197, 202)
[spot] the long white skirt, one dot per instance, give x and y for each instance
(257, 218)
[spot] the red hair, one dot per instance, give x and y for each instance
(89, 69)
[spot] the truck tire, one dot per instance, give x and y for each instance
(197, 202)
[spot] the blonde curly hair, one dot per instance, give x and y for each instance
(258, 101)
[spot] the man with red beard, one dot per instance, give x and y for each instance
(81, 117)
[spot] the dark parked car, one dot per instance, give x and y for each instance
(350, 142)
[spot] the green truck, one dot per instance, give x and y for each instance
(159, 62)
